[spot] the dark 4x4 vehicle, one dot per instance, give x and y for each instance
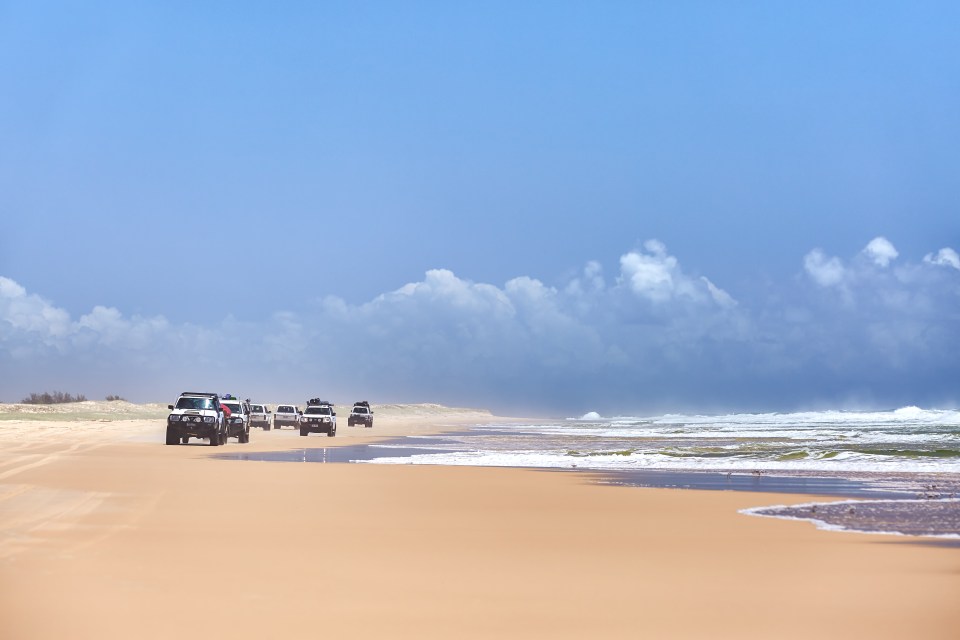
(361, 414)
(319, 417)
(196, 415)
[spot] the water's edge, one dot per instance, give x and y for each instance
(904, 504)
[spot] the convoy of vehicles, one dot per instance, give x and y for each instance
(213, 417)
(318, 418)
(360, 414)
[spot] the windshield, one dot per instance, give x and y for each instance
(195, 403)
(322, 411)
(233, 406)
(284, 408)
(256, 407)
(359, 409)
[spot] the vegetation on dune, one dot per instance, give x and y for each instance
(57, 397)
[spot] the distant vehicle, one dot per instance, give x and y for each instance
(238, 424)
(260, 416)
(286, 415)
(318, 418)
(361, 414)
(196, 415)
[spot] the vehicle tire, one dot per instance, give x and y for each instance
(184, 439)
(246, 438)
(215, 440)
(172, 437)
(303, 432)
(266, 427)
(223, 438)
(331, 433)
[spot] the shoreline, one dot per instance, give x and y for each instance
(904, 497)
(900, 509)
(898, 501)
(126, 537)
(423, 420)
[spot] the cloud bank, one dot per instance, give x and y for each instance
(875, 329)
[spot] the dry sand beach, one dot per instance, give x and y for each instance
(106, 533)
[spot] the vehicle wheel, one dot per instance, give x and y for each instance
(172, 437)
(266, 427)
(215, 440)
(245, 437)
(185, 439)
(223, 438)
(303, 432)
(331, 433)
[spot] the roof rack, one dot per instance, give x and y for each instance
(313, 402)
(198, 393)
(362, 403)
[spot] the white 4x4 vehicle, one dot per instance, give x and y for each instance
(286, 415)
(260, 416)
(318, 418)
(361, 414)
(238, 424)
(196, 415)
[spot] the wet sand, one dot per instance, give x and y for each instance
(106, 533)
(916, 504)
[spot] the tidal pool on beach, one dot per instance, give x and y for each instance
(937, 517)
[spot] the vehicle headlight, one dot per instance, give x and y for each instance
(173, 418)
(208, 418)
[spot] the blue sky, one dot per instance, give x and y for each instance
(543, 206)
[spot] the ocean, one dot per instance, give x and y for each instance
(907, 440)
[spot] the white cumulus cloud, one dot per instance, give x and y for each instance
(656, 335)
(946, 257)
(881, 251)
(26, 314)
(656, 276)
(827, 272)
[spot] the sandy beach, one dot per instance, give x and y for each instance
(106, 533)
